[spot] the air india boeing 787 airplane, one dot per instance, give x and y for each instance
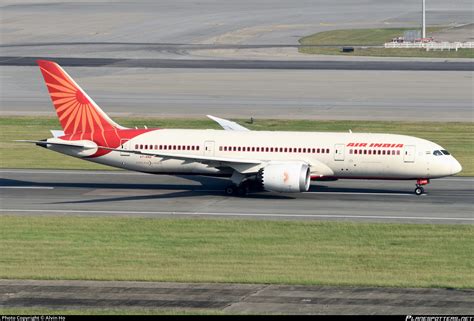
(255, 160)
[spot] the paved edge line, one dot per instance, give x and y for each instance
(239, 214)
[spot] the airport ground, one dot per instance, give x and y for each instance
(87, 297)
(360, 234)
(337, 242)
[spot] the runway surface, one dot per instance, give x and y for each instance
(98, 193)
(244, 93)
(244, 64)
(172, 60)
(233, 298)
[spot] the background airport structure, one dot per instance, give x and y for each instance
(209, 30)
(237, 51)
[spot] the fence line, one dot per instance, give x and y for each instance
(431, 45)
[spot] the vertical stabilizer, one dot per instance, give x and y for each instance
(77, 112)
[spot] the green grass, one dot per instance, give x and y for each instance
(382, 52)
(371, 37)
(358, 37)
(241, 251)
(456, 137)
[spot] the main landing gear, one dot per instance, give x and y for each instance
(239, 190)
(419, 190)
(240, 186)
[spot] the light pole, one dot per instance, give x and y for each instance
(423, 20)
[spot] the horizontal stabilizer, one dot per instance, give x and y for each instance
(84, 144)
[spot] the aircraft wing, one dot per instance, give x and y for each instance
(227, 124)
(240, 165)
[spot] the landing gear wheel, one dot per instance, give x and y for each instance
(242, 190)
(230, 190)
(419, 190)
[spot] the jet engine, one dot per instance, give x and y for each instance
(285, 177)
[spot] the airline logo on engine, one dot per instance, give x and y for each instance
(383, 145)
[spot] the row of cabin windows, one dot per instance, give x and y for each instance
(274, 149)
(374, 152)
(167, 147)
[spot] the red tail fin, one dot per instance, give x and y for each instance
(77, 112)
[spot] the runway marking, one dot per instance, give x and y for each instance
(73, 172)
(361, 193)
(456, 179)
(244, 214)
(27, 187)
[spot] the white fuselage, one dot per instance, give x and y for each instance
(337, 155)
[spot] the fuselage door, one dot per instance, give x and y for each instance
(339, 151)
(124, 144)
(409, 154)
(209, 148)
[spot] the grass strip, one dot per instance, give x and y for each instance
(372, 37)
(240, 251)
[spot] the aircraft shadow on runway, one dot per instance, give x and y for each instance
(210, 186)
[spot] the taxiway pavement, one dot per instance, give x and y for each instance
(233, 298)
(245, 64)
(243, 93)
(96, 193)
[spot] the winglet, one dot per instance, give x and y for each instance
(227, 124)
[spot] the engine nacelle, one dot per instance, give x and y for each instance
(285, 177)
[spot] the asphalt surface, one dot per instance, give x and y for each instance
(259, 93)
(98, 193)
(244, 64)
(166, 59)
(234, 298)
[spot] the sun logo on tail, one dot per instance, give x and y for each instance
(77, 112)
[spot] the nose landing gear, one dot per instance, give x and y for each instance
(419, 190)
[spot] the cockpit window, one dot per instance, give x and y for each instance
(437, 153)
(445, 152)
